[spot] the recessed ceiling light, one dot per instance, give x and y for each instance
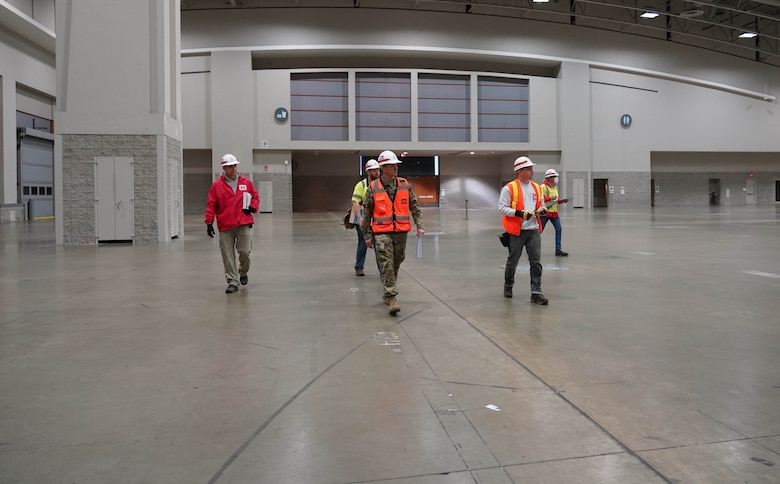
(747, 35)
(650, 14)
(541, 1)
(693, 13)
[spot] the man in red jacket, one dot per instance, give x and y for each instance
(233, 199)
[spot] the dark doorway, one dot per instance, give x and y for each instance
(600, 192)
(777, 190)
(714, 191)
(652, 192)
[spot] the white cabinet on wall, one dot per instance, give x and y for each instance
(174, 194)
(265, 191)
(114, 198)
(578, 193)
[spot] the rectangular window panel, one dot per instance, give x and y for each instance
(319, 106)
(443, 108)
(383, 107)
(503, 109)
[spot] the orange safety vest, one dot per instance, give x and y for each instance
(390, 215)
(513, 225)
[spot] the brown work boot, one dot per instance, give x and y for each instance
(392, 306)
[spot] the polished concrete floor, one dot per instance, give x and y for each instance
(657, 360)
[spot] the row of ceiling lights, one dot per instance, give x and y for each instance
(651, 14)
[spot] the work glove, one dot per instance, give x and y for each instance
(542, 210)
(525, 214)
(210, 230)
(249, 210)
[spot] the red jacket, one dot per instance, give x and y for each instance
(226, 205)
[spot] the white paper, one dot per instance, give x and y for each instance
(247, 200)
(419, 247)
(493, 407)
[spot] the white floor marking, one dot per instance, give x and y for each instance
(763, 274)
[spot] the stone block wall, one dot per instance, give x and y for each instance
(693, 189)
(78, 192)
(636, 185)
(11, 212)
(283, 194)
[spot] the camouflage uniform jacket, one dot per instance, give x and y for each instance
(390, 186)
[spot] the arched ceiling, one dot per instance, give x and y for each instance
(709, 24)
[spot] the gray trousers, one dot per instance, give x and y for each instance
(236, 239)
(532, 241)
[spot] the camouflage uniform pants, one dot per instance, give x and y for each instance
(390, 252)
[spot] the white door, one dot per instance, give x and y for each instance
(174, 195)
(114, 198)
(265, 191)
(750, 191)
(578, 193)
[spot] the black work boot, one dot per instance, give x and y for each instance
(539, 299)
(507, 291)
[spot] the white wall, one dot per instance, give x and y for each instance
(90, 85)
(196, 97)
(271, 90)
(42, 11)
(232, 105)
(26, 72)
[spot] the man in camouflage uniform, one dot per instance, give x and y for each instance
(388, 204)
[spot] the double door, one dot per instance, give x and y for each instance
(114, 198)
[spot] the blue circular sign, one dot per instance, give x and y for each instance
(281, 115)
(625, 120)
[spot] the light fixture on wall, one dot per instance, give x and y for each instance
(747, 35)
(650, 14)
(541, 1)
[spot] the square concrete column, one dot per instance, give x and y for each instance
(118, 100)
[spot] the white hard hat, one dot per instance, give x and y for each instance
(550, 173)
(372, 165)
(387, 157)
(523, 162)
(228, 160)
